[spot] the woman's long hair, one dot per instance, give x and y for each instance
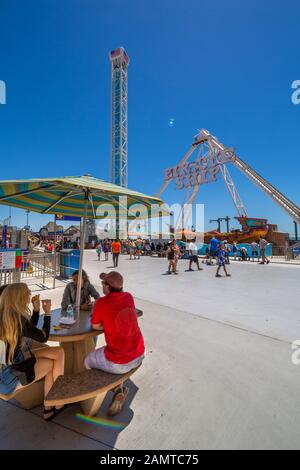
(13, 308)
(85, 277)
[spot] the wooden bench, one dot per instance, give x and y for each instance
(88, 388)
(31, 395)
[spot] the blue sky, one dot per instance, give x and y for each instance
(225, 66)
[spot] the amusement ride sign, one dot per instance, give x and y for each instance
(200, 171)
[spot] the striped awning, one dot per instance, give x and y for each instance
(68, 195)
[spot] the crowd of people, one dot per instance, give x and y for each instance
(217, 251)
(134, 248)
(51, 246)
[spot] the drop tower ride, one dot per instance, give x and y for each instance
(118, 138)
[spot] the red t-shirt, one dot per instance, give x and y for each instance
(116, 247)
(124, 341)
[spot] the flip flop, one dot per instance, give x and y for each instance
(49, 418)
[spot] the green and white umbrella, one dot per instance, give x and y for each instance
(78, 196)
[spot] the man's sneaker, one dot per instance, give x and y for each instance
(228, 275)
(218, 275)
(118, 401)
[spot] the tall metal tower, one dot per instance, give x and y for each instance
(118, 139)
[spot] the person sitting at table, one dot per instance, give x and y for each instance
(87, 291)
(16, 324)
(115, 313)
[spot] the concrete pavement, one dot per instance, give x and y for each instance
(260, 298)
(218, 371)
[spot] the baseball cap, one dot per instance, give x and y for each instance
(113, 279)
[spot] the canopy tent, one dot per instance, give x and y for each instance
(78, 196)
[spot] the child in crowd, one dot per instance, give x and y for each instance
(98, 251)
(221, 261)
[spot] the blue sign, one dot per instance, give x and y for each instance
(67, 217)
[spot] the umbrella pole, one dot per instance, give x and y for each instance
(54, 254)
(82, 242)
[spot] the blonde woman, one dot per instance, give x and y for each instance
(16, 322)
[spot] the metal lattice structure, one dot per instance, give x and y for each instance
(286, 204)
(210, 149)
(118, 140)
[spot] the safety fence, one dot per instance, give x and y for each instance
(40, 266)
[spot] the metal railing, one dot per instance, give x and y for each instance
(32, 265)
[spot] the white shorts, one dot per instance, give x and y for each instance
(97, 360)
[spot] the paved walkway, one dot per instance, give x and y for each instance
(217, 374)
(259, 298)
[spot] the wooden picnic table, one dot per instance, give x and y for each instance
(77, 341)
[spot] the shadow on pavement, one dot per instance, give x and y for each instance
(104, 434)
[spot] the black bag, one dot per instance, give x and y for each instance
(24, 370)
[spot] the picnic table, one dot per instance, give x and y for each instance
(76, 340)
(77, 384)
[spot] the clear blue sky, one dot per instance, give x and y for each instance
(225, 66)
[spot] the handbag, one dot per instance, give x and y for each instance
(24, 370)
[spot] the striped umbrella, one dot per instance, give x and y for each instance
(78, 196)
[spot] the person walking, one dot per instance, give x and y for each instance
(227, 251)
(177, 255)
(262, 246)
(170, 254)
(213, 247)
(234, 250)
(193, 252)
(139, 247)
(221, 261)
(132, 249)
(106, 248)
(116, 248)
(254, 250)
(98, 251)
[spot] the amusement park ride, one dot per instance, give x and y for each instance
(118, 139)
(212, 159)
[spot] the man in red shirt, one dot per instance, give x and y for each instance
(116, 248)
(116, 315)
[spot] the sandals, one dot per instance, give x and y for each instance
(118, 401)
(52, 413)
